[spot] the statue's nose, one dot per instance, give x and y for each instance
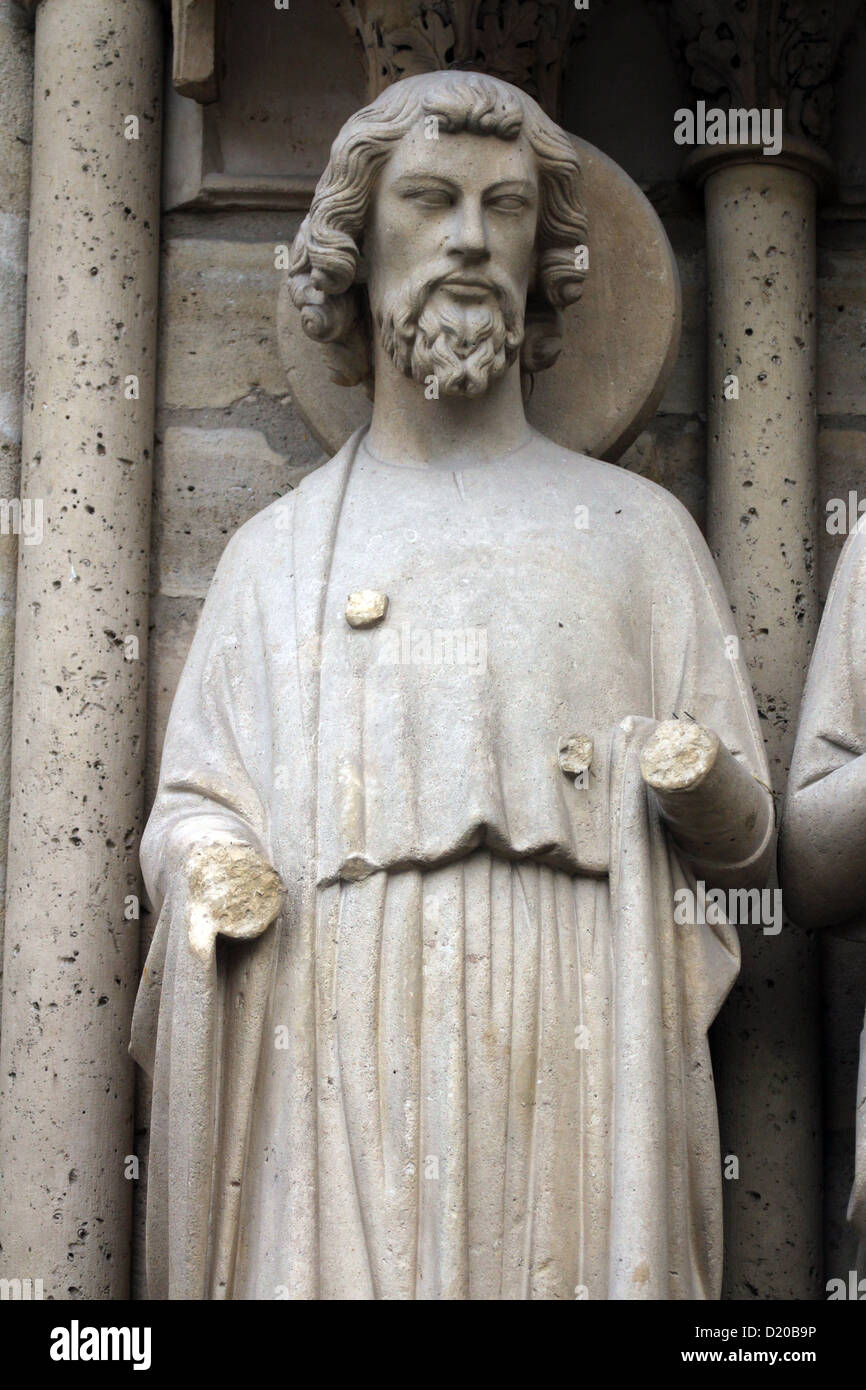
(469, 236)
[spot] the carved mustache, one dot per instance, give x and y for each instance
(411, 300)
(481, 281)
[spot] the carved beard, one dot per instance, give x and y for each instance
(465, 345)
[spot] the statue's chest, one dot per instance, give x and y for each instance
(475, 560)
(489, 627)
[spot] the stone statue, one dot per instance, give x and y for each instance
(823, 837)
(462, 713)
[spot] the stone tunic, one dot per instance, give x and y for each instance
(470, 1060)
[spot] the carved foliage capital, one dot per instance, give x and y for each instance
(521, 41)
(764, 53)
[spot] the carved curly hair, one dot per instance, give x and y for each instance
(325, 257)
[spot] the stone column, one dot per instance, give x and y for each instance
(81, 626)
(762, 494)
(16, 97)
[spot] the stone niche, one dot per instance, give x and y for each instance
(284, 82)
(239, 170)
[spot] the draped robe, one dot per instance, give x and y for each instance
(831, 734)
(470, 1059)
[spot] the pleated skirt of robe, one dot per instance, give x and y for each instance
(462, 1125)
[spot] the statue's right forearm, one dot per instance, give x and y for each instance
(233, 891)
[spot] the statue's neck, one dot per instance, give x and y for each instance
(449, 431)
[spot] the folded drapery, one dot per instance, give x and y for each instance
(203, 1027)
(241, 1159)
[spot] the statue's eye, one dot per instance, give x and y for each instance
(430, 197)
(508, 202)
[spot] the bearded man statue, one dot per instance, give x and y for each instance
(420, 1018)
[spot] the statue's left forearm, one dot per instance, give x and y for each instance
(719, 814)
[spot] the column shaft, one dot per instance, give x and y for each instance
(16, 96)
(761, 522)
(71, 955)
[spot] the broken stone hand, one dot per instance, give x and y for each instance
(233, 891)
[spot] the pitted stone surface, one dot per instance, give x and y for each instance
(80, 663)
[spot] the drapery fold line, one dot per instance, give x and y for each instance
(666, 1238)
(210, 1004)
(639, 1217)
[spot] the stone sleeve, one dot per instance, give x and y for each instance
(700, 677)
(824, 822)
(214, 776)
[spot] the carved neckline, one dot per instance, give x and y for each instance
(446, 469)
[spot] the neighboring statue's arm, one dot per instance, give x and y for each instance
(720, 816)
(822, 853)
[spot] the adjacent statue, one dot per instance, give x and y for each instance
(823, 838)
(462, 715)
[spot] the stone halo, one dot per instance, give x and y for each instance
(620, 340)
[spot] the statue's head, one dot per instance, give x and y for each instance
(446, 223)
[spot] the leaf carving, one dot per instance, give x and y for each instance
(424, 47)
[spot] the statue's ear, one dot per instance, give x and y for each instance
(362, 270)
